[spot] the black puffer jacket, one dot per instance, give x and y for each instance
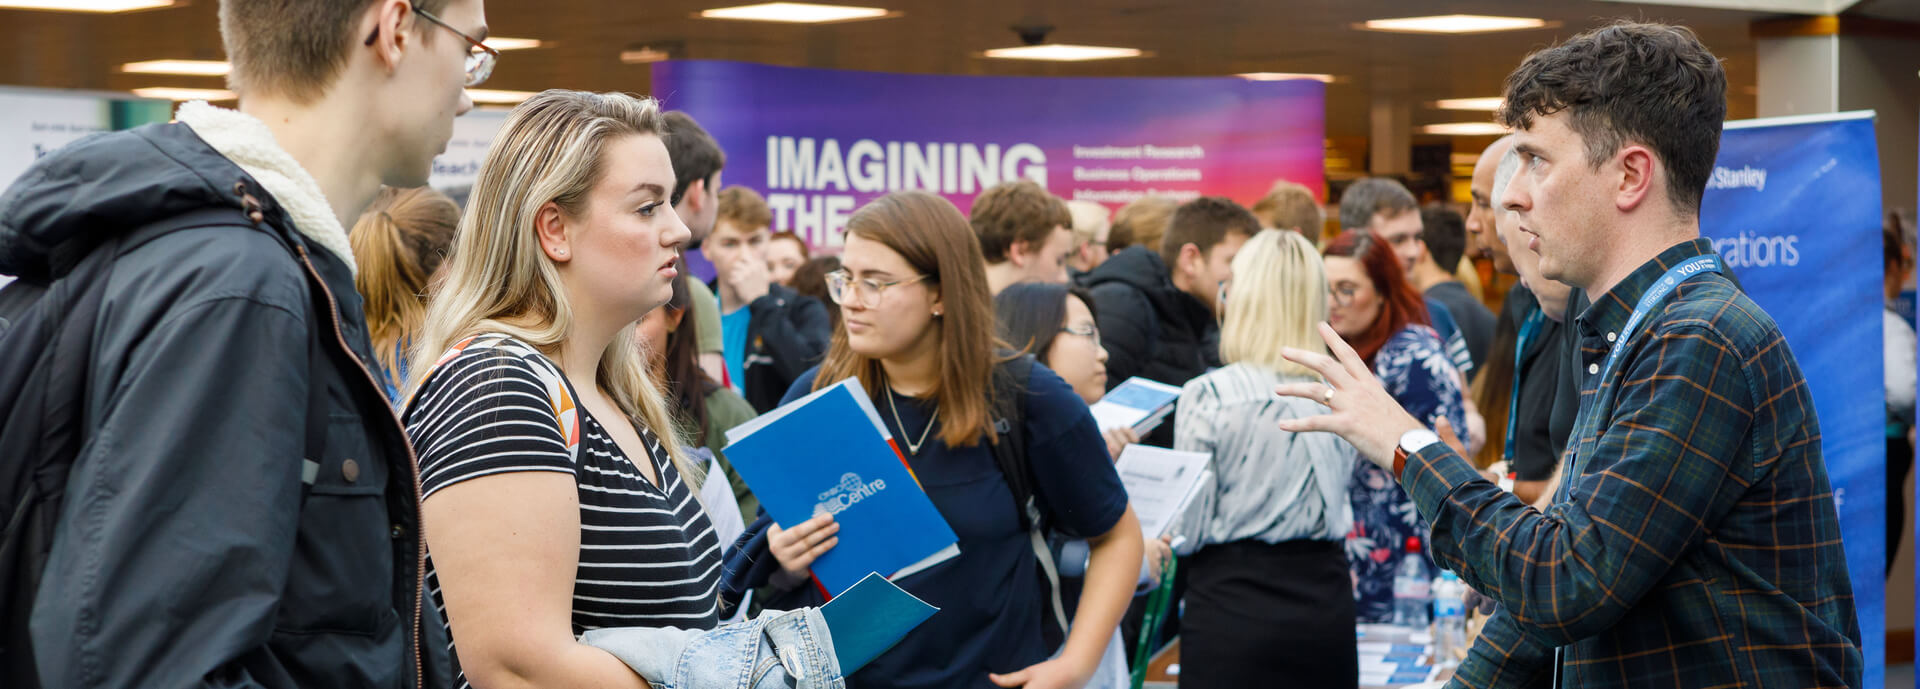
(188, 552)
(788, 334)
(1149, 327)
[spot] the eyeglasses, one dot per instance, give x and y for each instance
(479, 64)
(1402, 239)
(1086, 331)
(864, 293)
(1343, 294)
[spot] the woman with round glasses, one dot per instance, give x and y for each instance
(1057, 325)
(918, 332)
(1374, 308)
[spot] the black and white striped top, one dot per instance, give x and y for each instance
(648, 558)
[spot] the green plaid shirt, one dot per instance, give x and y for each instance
(1698, 546)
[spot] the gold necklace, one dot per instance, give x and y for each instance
(913, 447)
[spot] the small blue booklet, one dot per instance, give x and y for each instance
(870, 618)
(1138, 403)
(829, 453)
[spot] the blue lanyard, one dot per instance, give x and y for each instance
(1651, 298)
(1528, 329)
(1659, 291)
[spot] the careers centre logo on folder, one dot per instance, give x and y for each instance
(850, 490)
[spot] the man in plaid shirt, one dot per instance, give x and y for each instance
(1694, 542)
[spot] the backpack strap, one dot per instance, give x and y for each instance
(566, 413)
(46, 353)
(316, 406)
(1010, 453)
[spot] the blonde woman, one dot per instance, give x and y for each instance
(1270, 570)
(399, 242)
(556, 493)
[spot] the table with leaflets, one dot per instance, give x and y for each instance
(1390, 658)
(1394, 657)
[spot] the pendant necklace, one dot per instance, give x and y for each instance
(913, 447)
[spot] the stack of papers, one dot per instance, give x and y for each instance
(829, 453)
(1161, 483)
(1384, 664)
(1138, 403)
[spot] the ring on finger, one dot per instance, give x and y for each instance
(1326, 398)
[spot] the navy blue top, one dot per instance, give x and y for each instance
(993, 599)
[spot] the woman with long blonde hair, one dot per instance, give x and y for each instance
(557, 497)
(1268, 565)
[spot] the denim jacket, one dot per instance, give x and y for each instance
(778, 650)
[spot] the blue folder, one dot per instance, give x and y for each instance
(870, 618)
(828, 452)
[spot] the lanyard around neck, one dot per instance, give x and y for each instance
(1648, 300)
(1528, 329)
(1652, 298)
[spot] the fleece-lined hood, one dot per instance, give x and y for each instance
(112, 183)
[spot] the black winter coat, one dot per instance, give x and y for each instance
(189, 554)
(1149, 327)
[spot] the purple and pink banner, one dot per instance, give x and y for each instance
(819, 143)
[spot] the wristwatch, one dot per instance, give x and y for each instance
(1411, 442)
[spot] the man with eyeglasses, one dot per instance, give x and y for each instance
(241, 508)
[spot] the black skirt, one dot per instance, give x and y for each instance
(1260, 614)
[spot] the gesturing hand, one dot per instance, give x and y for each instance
(1361, 411)
(798, 547)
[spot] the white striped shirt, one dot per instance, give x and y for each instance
(648, 556)
(1269, 485)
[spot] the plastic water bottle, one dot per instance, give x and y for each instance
(1449, 618)
(1412, 596)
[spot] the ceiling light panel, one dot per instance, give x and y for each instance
(1453, 24)
(1464, 129)
(1285, 76)
(184, 94)
(85, 5)
(1061, 52)
(499, 97)
(795, 13)
(198, 68)
(1484, 104)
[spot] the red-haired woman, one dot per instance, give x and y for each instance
(1375, 309)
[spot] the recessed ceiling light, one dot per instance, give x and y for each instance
(496, 96)
(85, 5)
(640, 56)
(1062, 52)
(183, 94)
(502, 43)
(1285, 76)
(1487, 104)
(1463, 129)
(198, 68)
(1453, 24)
(795, 13)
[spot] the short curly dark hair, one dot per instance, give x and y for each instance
(1647, 83)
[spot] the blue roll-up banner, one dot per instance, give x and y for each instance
(1794, 208)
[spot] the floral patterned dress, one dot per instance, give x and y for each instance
(1414, 367)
